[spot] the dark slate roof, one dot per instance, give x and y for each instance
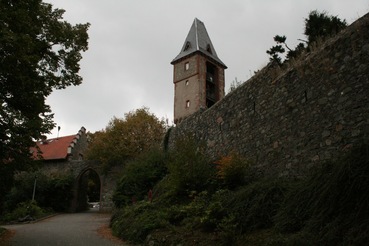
(198, 40)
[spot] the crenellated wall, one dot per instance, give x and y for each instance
(288, 121)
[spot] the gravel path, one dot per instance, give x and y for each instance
(65, 229)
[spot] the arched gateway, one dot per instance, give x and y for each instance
(64, 155)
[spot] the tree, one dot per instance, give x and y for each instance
(321, 25)
(317, 25)
(39, 52)
(278, 49)
(126, 138)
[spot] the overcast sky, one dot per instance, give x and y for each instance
(132, 43)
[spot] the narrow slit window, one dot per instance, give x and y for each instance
(187, 103)
(187, 46)
(208, 49)
(187, 82)
(187, 66)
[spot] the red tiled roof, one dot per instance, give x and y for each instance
(54, 149)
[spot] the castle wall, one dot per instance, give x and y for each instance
(108, 180)
(288, 121)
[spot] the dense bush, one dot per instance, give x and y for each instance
(58, 193)
(250, 208)
(51, 192)
(23, 209)
(189, 169)
(135, 222)
(233, 170)
(139, 176)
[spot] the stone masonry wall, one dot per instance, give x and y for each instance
(288, 121)
(79, 145)
(108, 180)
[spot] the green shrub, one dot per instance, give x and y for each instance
(195, 215)
(51, 192)
(23, 189)
(139, 176)
(134, 223)
(22, 210)
(189, 169)
(58, 193)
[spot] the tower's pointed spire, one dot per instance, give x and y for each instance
(198, 40)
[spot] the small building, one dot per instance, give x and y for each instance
(62, 148)
(198, 75)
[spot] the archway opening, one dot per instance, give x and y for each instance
(88, 191)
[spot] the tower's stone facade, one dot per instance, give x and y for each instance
(198, 74)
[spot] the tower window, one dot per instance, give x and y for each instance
(187, 103)
(187, 82)
(208, 49)
(187, 66)
(187, 46)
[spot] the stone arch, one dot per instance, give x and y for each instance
(79, 195)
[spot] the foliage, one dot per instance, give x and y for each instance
(51, 192)
(233, 170)
(250, 208)
(23, 209)
(126, 138)
(39, 52)
(275, 51)
(332, 202)
(189, 169)
(206, 211)
(320, 25)
(134, 223)
(58, 193)
(255, 205)
(139, 176)
(317, 25)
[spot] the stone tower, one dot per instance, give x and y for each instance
(198, 75)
